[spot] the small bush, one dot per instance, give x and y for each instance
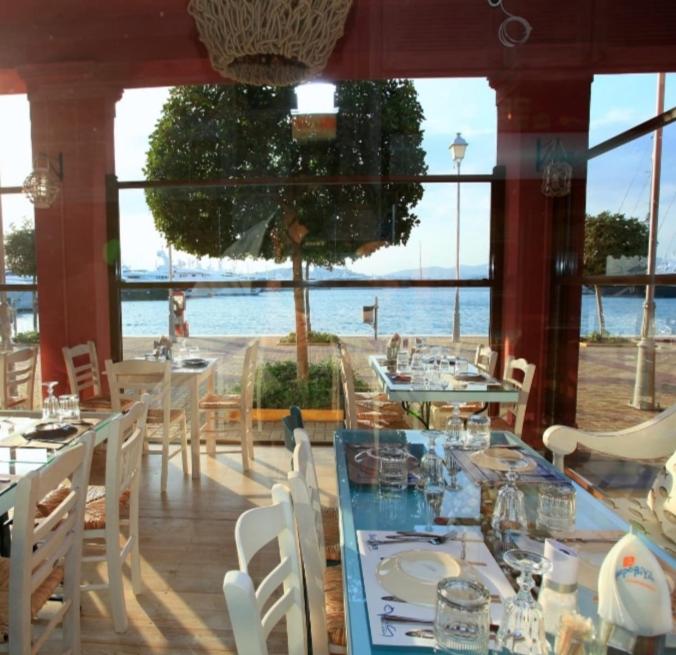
(604, 337)
(278, 387)
(313, 337)
(30, 338)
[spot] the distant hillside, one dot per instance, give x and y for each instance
(342, 273)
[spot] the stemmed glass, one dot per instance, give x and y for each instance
(510, 506)
(434, 487)
(430, 460)
(455, 427)
(522, 629)
(452, 468)
(50, 405)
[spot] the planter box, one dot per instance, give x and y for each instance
(318, 415)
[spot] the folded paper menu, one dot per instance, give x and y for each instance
(411, 569)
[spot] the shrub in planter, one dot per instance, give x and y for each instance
(279, 388)
(313, 337)
(30, 338)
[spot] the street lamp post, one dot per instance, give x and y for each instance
(457, 148)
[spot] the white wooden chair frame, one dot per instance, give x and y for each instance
(240, 404)
(255, 529)
(123, 473)
(85, 375)
(39, 544)
(652, 439)
(17, 368)
(130, 380)
(518, 409)
(486, 359)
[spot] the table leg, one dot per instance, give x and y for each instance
(5, 536)
(195, 427)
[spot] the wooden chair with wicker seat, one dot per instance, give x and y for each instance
(17, 378)
(519, 373)
(358, 417)
(46, 552)
(323, 585)
(303, 463)
(129, 381)
(84, 376)
(234, 408)
(105, 507)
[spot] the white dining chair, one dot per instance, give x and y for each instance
(519, 373)
(324, 585)
(129, 380)
(486, 359)
(46, 554)
(17, 378)
(234, 410)
(255, 529)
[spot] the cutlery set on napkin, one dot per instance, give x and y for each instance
(401, 570)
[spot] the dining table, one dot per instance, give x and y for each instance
(366, 513)
(20, 454)
(470, 386)
(192, 378)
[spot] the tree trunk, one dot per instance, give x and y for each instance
(599, 310)
(307, 300)
(301, 314)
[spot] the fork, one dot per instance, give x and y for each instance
(436, 540)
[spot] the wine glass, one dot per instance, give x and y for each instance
(509, 513)
(455, 427)
(434, 487)
(522, 629)
(50, 405)
(452, 467)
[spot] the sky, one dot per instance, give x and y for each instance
(617, 181)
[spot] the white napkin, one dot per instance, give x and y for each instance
(394, 634)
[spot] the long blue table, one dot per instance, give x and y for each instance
(361, 508)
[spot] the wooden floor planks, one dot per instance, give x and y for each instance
(187, 545)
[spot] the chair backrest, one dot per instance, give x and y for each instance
(652, 439)
(486, 359)
(134, 378)
(302, 481)
(124, 449)
(82, 367)
(519, 373)
(255, 529)
(248, 382)
(349, 398)
(40, 544)
(18, 369)
(290, 423)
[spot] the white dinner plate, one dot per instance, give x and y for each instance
(412, 575)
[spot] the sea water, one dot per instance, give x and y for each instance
(403, 310)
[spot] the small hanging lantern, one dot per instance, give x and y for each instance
(557, 174)
(43, 184)
(277, 43)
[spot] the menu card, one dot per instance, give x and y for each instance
(380, 601)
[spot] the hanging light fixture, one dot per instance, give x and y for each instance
(279, 43)
(557, 173)
(43, 184)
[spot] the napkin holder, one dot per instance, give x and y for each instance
(558, 594)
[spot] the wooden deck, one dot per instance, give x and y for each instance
(187, 545)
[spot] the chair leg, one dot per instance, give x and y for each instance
(115, 584)
(165, 459)
(211, 433)
(184, 447)
(135, 554)
(246, 463)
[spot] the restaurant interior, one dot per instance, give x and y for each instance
(310, 452)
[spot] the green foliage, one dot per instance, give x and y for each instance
(279, 387)
(604, 337)
(30, 338)
(20, 250)
(313, 337)
(612, 235)
(233, 131)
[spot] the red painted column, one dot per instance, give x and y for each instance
(72, 113)
(544, 239)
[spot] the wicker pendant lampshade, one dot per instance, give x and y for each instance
(276, 42)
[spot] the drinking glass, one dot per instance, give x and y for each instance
(392, 469)
(522, 629)
(403, 361)
(460, 365)
(455, 427)
(50, 405)
(69, 408)
(452, 467)
(556, 507)
(509, 513)
(478, 436)
(462, 620)
(434, 487)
